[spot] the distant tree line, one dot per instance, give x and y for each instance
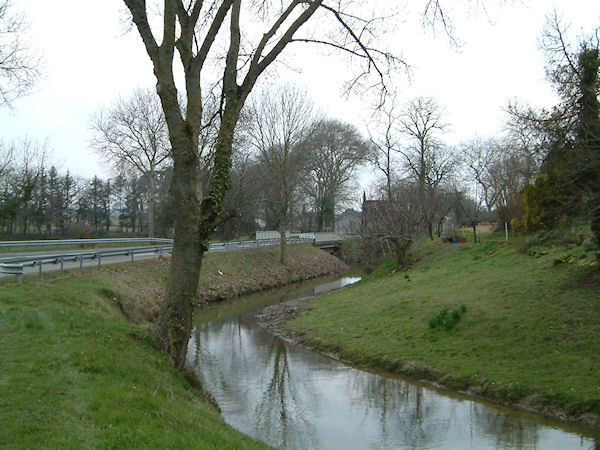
(291, 170)
(38, 199)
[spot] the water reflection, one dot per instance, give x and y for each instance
(289, 397)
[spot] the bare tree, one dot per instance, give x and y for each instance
(279, 123)
(201, 32)
(132, 133)
(479, 155)
(393, 223)
(501, 168)
(336, 150)
(21, 174)
(470, 210)
(19, 66)
(427, 160)
(386, 141)
(422, 121)
(6, 159)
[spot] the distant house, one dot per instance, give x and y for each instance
(348, 222)
(370, 209)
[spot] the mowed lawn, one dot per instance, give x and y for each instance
(531, 325)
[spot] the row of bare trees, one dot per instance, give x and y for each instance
(286, 158)
(424, 181)
(37, 199)
(288, 162)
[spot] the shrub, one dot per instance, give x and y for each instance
(448, 321)
(565, 259)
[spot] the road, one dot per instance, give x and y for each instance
(89, 262)
(96, 257)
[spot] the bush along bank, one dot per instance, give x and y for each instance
(524, 332)
(77, 373)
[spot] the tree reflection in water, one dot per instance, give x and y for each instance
(400, 410)
(282, 413)
(503, 428)
(278, 401)
(289, 397)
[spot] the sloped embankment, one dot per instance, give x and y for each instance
(223, 275)
(527, 334)
(77, 373)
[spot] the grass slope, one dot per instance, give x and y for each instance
(223, 275)
(75, 372)
(530, 329)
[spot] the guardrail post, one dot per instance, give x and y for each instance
(132, 253)
(99, 260)
(40, 269)
(62, 265)
(81, 263)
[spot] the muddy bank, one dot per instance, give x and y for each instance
(245, 272)
(223, 275)
(275, 319)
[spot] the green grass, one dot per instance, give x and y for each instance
(75, 373)
(530, 325)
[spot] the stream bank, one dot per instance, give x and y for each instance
(527, 334)
(223, 276)
(275, 319)
(290, 397)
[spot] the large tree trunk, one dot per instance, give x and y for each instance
(193, 226)
(400, 250)
(175, 319)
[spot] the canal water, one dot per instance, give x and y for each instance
(290, 397)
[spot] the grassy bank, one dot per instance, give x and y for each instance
(527, 334)
(77, 373)
(223, 275)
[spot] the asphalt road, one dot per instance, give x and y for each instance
(68, 265)
(19, 257)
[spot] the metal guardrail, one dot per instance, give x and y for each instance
(83, 242)
(224, 246)
(15, 265)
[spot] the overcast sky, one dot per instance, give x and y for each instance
(90, 60)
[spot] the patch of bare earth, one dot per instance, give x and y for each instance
(276, 317)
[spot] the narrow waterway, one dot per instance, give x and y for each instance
(289, 397)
